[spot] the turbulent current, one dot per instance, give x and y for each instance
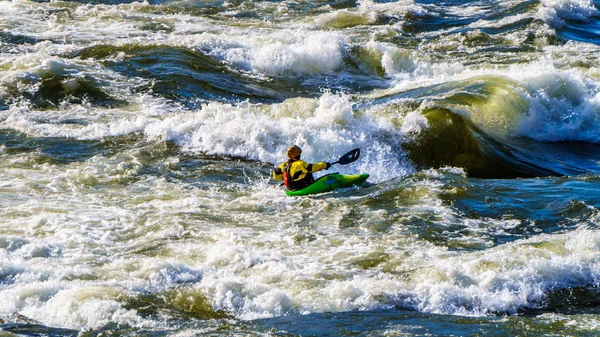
(137, 141)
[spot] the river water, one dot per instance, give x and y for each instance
(137, 141)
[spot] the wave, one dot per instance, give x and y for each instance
(530, 279)
(177, 73)
(308, 86)
(481, 124)
(383, 249)
(486, 123)
(573, 19)
(555, 12)
(44, 81)
(108, 75)
(307, 61)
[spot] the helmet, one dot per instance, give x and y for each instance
(293, 152)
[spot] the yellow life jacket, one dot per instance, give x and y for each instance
(297, 174)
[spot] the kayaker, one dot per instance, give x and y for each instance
(296, 173)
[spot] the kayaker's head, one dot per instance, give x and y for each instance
(294, 152)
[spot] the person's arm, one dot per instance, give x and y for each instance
(277, 173)
(318, 166)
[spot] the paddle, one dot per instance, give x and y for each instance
(348, 158)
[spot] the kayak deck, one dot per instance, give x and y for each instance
(329, 183)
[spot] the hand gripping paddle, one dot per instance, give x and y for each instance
(348, 158)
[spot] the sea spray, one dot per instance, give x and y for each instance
(554, 12)
(324, 129)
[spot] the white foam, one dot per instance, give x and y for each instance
(503, 279)
(549, 100)
(276, 53)
(83, 307)
(249, 257)
(75, 235)
(59, 276)
(554, 12)
(324, 131)
(562, 104)
(508, 278)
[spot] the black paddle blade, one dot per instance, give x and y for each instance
(349, 157)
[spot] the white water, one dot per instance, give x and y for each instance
(73, 236)
(554, 12)
(562, 98)
(69, 253)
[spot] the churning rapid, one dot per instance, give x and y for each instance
(137, 141)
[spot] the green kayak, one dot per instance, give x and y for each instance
(329, 183)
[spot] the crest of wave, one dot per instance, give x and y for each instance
(554, 12)
(324, 128)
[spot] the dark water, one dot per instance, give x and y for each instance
(137, 139)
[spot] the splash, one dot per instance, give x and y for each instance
(325, 129)
(555, 12)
